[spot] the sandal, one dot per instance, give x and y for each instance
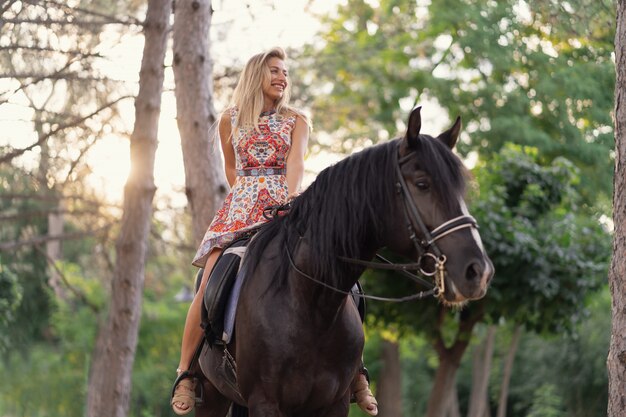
(363, 395)
(184, 393)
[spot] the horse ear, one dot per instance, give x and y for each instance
(415, 124)
(450, 136)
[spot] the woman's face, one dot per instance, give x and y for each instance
(275, 87)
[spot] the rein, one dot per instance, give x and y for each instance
(418, 296)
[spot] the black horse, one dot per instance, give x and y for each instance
(298, 337)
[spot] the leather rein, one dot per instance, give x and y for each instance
(426, 247)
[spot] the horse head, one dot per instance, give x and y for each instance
(430, 204)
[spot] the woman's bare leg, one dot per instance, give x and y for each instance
(192, 335)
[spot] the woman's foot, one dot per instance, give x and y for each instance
(363, 395)
(184, 393)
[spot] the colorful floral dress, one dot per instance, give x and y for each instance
(260, 159)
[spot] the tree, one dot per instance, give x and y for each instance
(193, 72)
(50, 67)
(388, 392)
(616, 361)
(537, 73)
(110, 374)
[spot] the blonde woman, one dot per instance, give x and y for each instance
(263, 141)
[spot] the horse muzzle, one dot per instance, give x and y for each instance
(470, 284)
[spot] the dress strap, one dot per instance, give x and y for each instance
(233, 115)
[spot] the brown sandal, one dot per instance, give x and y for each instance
(363, 395)
(184, 393)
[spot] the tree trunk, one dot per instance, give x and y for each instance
(114, 353)
(508, 370)
(205, 183)
(389, 390)
(616, 361)
(440, 397)
(56, 225)
(55, 218)
(450, 357)
(453, 403)
(479, 399)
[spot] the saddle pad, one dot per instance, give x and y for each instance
(231, 307)
(218, 288)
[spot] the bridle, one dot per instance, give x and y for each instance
(425, 246)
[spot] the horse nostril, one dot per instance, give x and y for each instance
(473, 271)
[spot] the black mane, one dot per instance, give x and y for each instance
(348, 206)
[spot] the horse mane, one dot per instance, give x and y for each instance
(348, 204)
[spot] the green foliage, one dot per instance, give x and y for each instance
(10, 299)
(548, 255)
(538, 73)
(23, 269)
(546, 403)
(574, 364)
(52, 379)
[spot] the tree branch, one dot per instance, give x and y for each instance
(70, 10)
(68, 22)
(73, 123)
(79, 294)
(44, 213)
(35, 81)
(40, 197)
(73, 52)
(37, 240)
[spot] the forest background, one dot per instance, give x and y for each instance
(532, 80)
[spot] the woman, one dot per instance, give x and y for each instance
(263, 141)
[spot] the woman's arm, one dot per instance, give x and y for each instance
(227, 148)
(295, 160)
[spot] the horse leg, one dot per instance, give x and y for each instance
(214, 404)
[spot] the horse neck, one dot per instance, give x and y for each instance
(320, 252)
(324, 293)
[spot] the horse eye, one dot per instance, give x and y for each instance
(423, 185)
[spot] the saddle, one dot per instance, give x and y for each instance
(219, 288)
(220, 297)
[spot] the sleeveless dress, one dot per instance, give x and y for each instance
(260, 161)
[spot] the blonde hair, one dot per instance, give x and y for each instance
(248, 95)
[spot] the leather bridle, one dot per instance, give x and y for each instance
(425, 246)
